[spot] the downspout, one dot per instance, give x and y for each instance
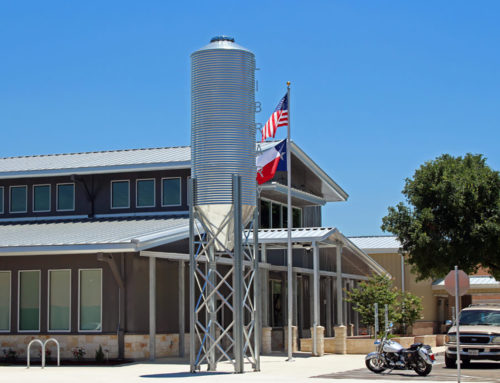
(118, 276)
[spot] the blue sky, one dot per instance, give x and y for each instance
(378, 87)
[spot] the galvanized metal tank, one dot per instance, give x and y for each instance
(223, 129)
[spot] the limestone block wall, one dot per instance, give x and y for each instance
(137, 346)
(89, 343)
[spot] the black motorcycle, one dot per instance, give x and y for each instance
(391, 355)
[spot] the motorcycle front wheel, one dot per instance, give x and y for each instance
(375, 365)
(422, 368)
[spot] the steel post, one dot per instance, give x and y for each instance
(238, 278)
(182, 307)
(192, 270)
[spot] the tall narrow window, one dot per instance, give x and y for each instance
(276, 216)
(171, 192)
(4, 300)
(59, 300)
(18, 196)
(29, 301)
(297, 217)
(120, 197)
(145, 193)
(65, 197)
(1, 199)
(90, 300)
(41, 198)
(265, 211)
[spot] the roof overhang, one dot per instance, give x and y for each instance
(331, 191)
(300, 198)
(128, 243)
(97, 170)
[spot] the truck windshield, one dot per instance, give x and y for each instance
(480, 317)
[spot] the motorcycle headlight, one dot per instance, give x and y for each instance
(495, 339)
(451, 338)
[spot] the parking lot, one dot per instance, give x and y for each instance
(480, 371)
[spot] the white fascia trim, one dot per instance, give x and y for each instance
(45, 218)
(67, 249)
(495, 286)
(299, 194)
(387, 250)
(97, 170)
(301, 155)
(144, 214)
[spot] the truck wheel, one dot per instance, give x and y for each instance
(465, 362)
(450, 362)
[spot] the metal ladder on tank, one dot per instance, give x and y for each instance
(43, 344)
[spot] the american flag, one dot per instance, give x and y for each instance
(277, 119)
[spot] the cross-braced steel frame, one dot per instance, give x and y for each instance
(224, 299)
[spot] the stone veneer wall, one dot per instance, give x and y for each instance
(90, 343)
(136, 346)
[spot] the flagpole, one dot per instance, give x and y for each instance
(289, 231)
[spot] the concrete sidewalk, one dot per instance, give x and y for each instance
(274, 369)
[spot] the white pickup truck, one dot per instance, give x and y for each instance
(479, 335)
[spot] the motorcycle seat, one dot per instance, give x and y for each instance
(414, 346)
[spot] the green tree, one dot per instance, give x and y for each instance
(377, 289)
(409, 310)
(451, 217)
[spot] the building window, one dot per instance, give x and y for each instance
(29, 300)
(59, 300)
(276, 216)
(18, 197)
(265, 214)
(171, 191)
(41, 198)
(65, 197)
(120, 195)
(297, 217)
(145, 193)
(5, 300)
(90, 300)
(1, 199)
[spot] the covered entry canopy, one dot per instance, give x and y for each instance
(355, 260)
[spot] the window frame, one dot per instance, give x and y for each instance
(19, 301)
(33, 198)
(10, 199)
(2, 210)
(79, 300)
(9, 272)
(57, 195)
(137, 192)
(180, 191)
(111, 195)
(282, 216)
(48, 300)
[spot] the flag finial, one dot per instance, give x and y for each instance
(288, 83)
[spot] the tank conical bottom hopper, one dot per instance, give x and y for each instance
(219, 219)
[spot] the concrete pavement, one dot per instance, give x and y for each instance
(273, 369)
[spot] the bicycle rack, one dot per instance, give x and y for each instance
(43, 344)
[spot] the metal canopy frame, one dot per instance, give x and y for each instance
(223, 283)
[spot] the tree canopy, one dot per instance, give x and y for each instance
(403, 308)
(451, 217)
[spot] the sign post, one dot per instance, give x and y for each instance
(457, 283)
(376, 319)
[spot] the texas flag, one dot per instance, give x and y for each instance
(270, 160)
